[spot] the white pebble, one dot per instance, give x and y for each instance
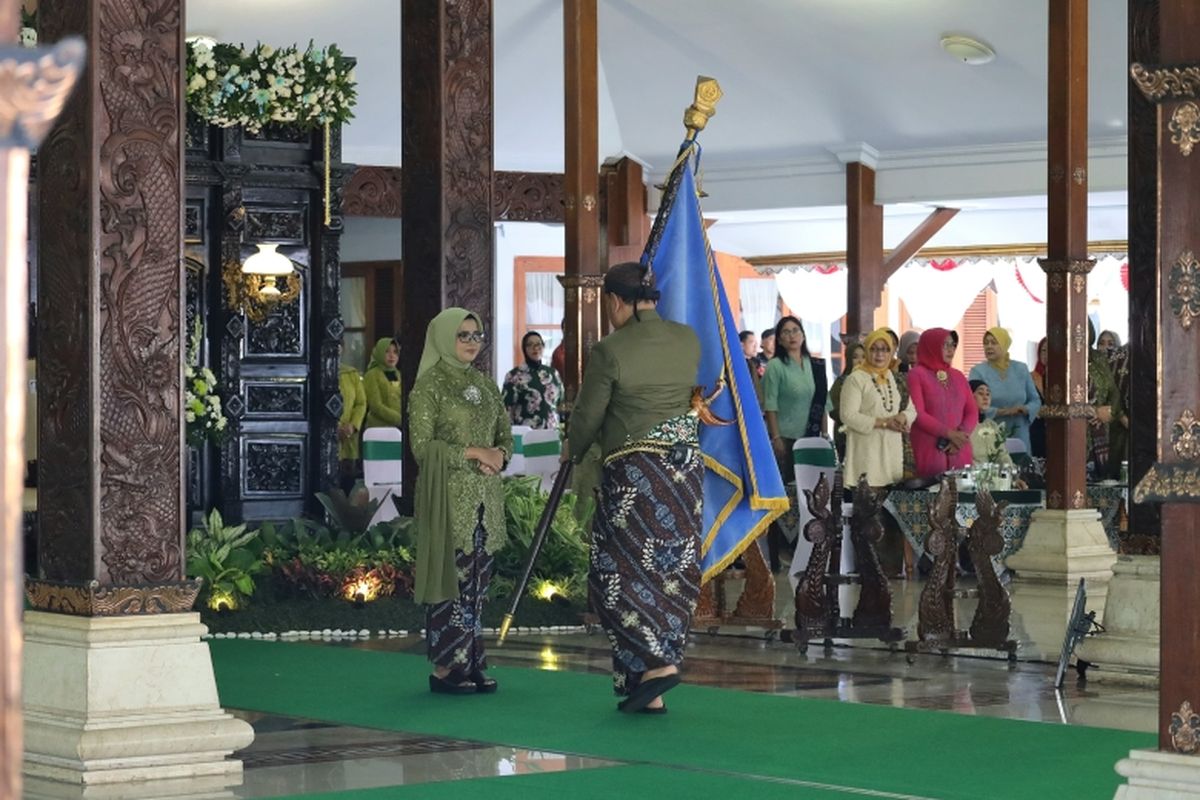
(243, 635)
(256, 635)
(366, 634)
(269, 635)
(325, 632)
(402, 632)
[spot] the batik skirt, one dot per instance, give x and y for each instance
(453, 628)
(645, 562)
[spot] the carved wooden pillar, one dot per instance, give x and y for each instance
(864, 248)
(446, 150)
(1175, 479)
(1067, 264)
(110, 344)
(1144, 518)
(581, 178)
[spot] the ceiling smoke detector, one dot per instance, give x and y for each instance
(968, 50)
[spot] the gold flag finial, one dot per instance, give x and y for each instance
(708, 92)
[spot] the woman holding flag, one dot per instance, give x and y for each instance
(636, 401)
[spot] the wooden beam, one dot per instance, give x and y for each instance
(516, 196)
(625, 222)
(916, 240)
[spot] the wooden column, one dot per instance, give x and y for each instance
(1145, 521)
(864, 248)
(1175, 479)
(110, 344)
(446, 150)
(1067, 263)
(581, 189)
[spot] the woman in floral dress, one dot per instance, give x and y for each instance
(532, 390)
(461, 439)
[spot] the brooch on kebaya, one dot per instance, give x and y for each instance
(942, 375)
(471, 394)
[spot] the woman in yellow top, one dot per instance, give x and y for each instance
(382, 385)
(354, 411)
(875, 416)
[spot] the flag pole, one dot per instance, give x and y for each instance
(561, 481)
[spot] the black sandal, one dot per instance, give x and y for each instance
(454, 683)
(483, 684)
(645, 692)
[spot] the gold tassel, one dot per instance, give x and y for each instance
(328, 218)
(701, 405)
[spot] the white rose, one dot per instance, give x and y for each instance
(189, 416)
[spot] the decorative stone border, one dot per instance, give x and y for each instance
(327, 633)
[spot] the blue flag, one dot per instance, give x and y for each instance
(743, 492)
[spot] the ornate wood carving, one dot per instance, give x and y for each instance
(989, 627)
(114, 513)
(281, 333)
(93, 600)
(274, 467)
(1184, 730)
(935, 610)
(275, 399)
(812, 601)
(283, 225)
(373, 192)
(516, 196)
(446, 143)
(757, 601)
(874, 607)
(528, 197)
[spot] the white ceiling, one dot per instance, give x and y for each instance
(802, 80)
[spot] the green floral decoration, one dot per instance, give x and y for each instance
(230, 86)
(201, 405)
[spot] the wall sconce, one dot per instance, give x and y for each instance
(252, 287)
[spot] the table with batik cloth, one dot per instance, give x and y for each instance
(910, 508)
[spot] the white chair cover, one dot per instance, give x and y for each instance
(516, 464)
(383, 461)
(810, 458)
(1014, 446)
(541, 450)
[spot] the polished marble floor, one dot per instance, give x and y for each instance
(295, 757)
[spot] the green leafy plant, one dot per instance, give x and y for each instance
(223, 556)
(564, 554)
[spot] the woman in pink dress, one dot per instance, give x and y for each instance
(946, 411)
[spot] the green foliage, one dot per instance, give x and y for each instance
(564, 554)
(351, 513)
(224, 556)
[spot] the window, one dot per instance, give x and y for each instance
(539, 302)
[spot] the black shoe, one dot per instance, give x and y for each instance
(645, 692)
(649, 710)
(454, 683)
(484, 684)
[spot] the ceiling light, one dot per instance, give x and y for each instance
(968, 50)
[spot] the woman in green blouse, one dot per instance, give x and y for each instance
(382, 385)
(461, 438)
(354, 411)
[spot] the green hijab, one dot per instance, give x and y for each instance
(380, 350)
(441, 336)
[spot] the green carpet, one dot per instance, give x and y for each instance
(929, 753)
(603, 783)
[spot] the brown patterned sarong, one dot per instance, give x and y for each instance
(645, 561)
(453, 628)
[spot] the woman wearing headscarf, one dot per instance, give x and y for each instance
(1015, 398)
(461, 439)
(532, 390)
(874, 416)
(855, 355)
(1037, 428)
(1106, 401)
(350, 423)
(906, 351)
(382, 385)
(946, 411)
(636, 402)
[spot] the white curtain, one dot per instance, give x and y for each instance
(545, 304)
(760, 301)
(938, 298)
(1109, 298)
(812, 294)
(1021, 304)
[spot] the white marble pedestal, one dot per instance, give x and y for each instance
(1064, 546)
(114, 703)
(1127, 650)
(1155, 775)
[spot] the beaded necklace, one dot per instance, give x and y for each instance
(887, 396)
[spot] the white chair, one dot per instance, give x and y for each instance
(516, 464)
(1014, 446)
(541, 450)
(383, 461)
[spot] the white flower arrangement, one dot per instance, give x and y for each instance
(230, 86)
(201, 406)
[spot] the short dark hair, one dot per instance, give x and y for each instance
(781, 352)
(744, 335)
(769, 333)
